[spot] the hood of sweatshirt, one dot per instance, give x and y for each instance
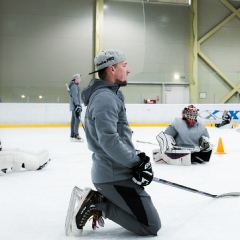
(94, 85)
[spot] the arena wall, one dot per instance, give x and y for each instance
(13, 114)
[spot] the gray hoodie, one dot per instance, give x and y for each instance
(75, 96)
(108, 134)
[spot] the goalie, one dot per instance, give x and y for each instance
(185, 141)
(16, 159)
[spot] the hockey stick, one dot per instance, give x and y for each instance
(172, 184)
(147, 142)
(71, 97)
(174, 147)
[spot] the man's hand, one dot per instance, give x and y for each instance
(142, 173)
(78, 110)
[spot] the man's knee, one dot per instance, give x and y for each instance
(153, 229)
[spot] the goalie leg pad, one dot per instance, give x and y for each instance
(6, 161)
(35, 160)
(173, 157)
(44, 159)
(17, 158)
(165, 141)
(157, 155)
(24, 158)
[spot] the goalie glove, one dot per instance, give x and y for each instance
(142, 173)
(78, 110)
(204, 143)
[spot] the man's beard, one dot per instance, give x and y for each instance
(121, 83)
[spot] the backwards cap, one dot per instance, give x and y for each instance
(77, 75)
(108, 58)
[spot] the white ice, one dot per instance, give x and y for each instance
(34, 203)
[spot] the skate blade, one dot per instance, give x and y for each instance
(77, 198)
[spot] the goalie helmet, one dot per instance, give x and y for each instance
(189, 114)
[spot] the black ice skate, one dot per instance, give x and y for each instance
(81, 209)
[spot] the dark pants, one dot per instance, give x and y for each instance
(74, 125)
(130, 206)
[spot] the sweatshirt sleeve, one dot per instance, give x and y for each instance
(113, 132)
(75, 94)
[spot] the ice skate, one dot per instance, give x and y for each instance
(77, 138)
(81, 208)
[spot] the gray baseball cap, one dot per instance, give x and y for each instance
(77, 75)
(108, 58)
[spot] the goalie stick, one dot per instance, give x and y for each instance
(172, 184)
(71, 97)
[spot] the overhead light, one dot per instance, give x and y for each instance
(176, 76)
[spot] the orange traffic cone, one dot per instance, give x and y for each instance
(220, 149)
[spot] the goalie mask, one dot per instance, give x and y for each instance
(189, 114)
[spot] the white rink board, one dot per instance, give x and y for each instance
(56, 113)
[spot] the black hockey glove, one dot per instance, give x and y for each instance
(201, 157)
(142, 173)
(78, 110)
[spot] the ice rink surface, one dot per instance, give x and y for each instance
(34, 203)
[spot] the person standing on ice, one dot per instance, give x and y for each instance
(75, 108)
(185, 141)
(119, 172)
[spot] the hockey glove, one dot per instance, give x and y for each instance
(201, 157)
(78, 110)
(204, 143)
(142, 173)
